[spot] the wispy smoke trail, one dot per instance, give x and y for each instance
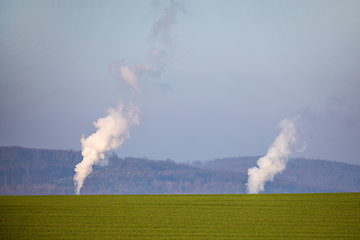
(130, 73)
(275, 159)
(163, 26)
(111, 133)
(155, 61)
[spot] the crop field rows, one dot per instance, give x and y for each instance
(243, 216)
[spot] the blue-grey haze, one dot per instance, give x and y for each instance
(234, 70)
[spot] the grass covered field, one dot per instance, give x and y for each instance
(271, 216)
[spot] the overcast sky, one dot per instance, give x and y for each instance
(234, 70)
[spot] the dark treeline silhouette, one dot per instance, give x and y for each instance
(41, 171)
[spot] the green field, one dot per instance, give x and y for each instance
(272, 216)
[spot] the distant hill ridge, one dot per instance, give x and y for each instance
(331, 175)
(43, 171)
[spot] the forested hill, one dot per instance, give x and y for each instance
(315, 173)
(42, 171)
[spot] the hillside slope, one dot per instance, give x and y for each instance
(42, 171)
(320, 174)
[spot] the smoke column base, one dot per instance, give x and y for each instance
(111, 133)
(275, 159)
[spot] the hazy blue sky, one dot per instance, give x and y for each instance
(234, 70)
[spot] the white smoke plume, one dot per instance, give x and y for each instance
(114, 128)
(275, 159)
(111, 133)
